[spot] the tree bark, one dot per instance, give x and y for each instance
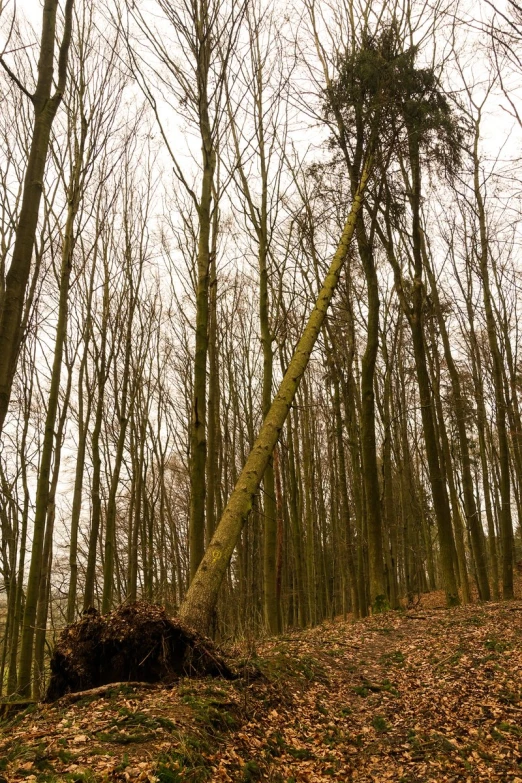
(506, 524)
(202, 595)
(45, 107)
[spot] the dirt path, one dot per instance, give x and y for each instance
(427, 695)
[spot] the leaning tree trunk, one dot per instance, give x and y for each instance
(199, 603)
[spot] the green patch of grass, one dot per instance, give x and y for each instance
(185, 763)
(81, 776)
(380, 724)
(496, 645)
(509, 697)
(142, 720)
(302, 754)
(475, 620)
(388, 687)
(335, 653)
(24, 773)
(509, 728)
(311, 669)
(99, 751)
(283, 666)
(457, 655)
(442, 742)
(124, 738)
(367, 687)
(210, 711)
(124, 763)
(65, 756)
(393, 658)
(21, 753)
(251, 772)
(20, 712)
(165, 774)
(275, 744)
(333, 736)
(381, 604)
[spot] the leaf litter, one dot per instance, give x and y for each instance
(429, 694)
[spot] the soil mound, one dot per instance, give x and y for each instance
(135, 642)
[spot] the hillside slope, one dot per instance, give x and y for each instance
(425, 695)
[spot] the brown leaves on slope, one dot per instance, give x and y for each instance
(429, 695)
(426, 695)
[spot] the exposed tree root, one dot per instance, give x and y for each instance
(136, 642)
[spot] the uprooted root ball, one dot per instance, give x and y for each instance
(135, 642)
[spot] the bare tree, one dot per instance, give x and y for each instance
(45, 104)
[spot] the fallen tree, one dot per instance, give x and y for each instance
(198, 607)
(137, 642)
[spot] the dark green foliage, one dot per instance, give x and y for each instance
(380, 724)
(496, 645)
(251, 772)
(383, 100)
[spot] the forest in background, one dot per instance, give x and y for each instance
(175, 181)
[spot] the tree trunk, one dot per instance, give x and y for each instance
(198, 433)
(43, 484)
(45, 108)
(506, 525)
(378, 598)
(202, 595)
(470, 506)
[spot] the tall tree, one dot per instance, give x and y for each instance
(201, 597)
(45, 104)
(205, 32)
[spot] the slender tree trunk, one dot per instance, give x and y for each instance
(198, 434)
(110, 522)
(345, 504)
(414, 314)
(83, 419)
(295, 517)
(43, 484)
(390, 514)
(446, 464)
(96, 506)
(470, 506)
(12, 302)
(213, 396)
(506, 525)
(12, 678)
(378, 599)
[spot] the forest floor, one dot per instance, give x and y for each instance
(428, 694)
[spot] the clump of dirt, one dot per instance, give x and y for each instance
(135, 642)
